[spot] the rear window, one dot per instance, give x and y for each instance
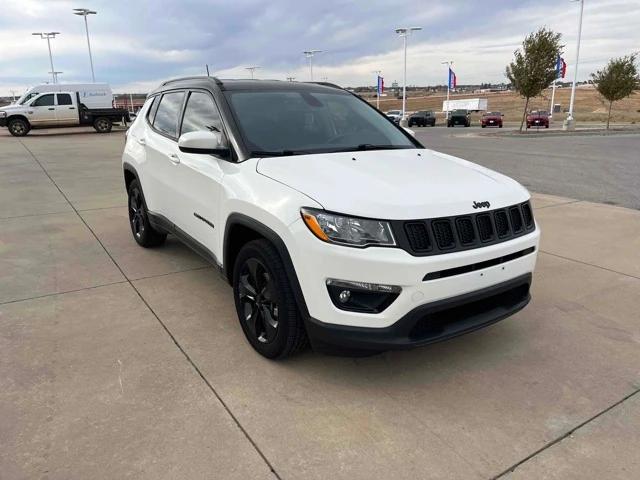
(167, 115)
(64, 99)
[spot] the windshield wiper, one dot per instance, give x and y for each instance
(370, 146)
(276, 153)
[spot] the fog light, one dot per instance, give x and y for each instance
(361, 296)
(344, 296)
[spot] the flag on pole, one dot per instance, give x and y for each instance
(453, 80)
(380, 85)
(561, 67)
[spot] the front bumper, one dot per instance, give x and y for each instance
(429, 323)
(3, 121)
(316, 261)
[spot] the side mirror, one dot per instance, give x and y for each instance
(409, 131)
(203, 142)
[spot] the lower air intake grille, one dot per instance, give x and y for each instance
(449, 234)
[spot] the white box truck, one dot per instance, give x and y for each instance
(92, 95)
(468, 104)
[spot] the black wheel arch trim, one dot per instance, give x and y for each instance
(277, 242)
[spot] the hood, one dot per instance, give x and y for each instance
(9, 108)
(393, 184)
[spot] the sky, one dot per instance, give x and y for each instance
(138, 43)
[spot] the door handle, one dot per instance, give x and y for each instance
(142, 141)
(72, 108)
(51, 108)
(174, 158)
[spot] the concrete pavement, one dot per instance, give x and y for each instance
(119, 362)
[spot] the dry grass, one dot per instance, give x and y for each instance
(589, 107)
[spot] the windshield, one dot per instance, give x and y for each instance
(26, 97)
(491, 114)
(289, 122)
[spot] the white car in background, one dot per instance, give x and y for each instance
(331, 223)
(394, 115)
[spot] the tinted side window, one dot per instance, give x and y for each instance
(151, 113)
(166, 119)
(64, 99)
(43, 101)
(200, 114)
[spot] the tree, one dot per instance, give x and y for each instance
(617, 80)
(534, 66)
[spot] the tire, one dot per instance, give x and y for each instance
(500, 126)
(265, 303)
(483, 126)
(102, 124)
(18, 127)
(143, 233)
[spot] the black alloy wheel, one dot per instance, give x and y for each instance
(258, 298)
(265, 303)
(143, 233)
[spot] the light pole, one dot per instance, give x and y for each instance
(84, 12)
(55, 76)
(377, 72)
(291, 79)
(448, 64)
(48, 36)
(252, 69)
(404, 32)
(569, 122)
(309, 54)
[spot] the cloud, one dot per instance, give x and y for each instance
(138, 43)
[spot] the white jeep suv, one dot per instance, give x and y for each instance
(332, 224)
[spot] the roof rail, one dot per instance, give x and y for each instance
(327, 84)
(193, 77)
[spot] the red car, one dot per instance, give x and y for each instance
(491, 119)
(538, 119)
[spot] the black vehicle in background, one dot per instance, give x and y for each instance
(423, 118)
(459, 117)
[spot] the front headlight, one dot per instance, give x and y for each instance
(3, 114)
(343, 230)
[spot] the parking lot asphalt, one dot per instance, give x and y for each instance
(597, 168)
(120, 362)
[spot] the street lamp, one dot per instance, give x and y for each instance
(291, 79)
(55, 76)
(569, 123)
(48, 36)
(84, 12)
(448, 64)
(309, 54)
(404, 32)
(252, 69)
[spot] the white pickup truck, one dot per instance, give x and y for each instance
(59, 109)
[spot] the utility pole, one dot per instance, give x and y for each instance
(404, 32)
(48, 36)
(84, 12)
(291, 79)
(569, 123)
(309, 54)
(252, 69)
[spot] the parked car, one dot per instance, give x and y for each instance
(491, 119)
(538, 118)
(332, 225)
(422, 118)
(458, 117)
(394, 115)
(62, 109)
